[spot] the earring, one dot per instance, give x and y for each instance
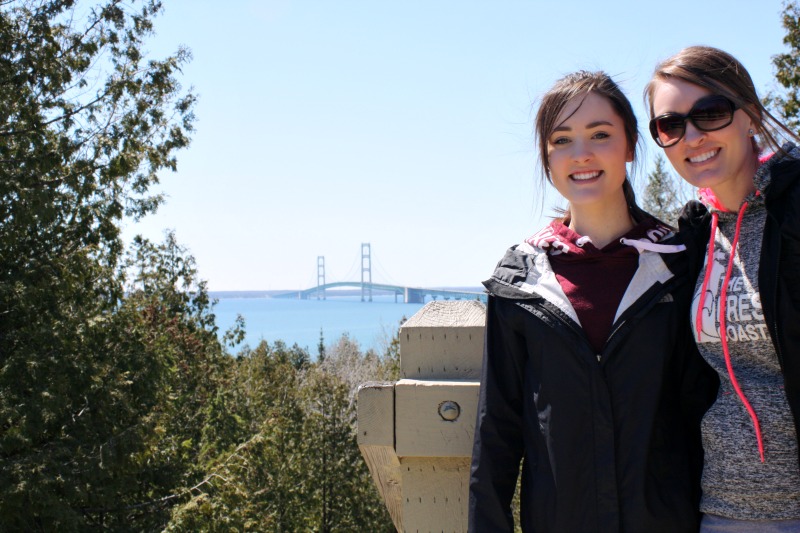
(751, 132)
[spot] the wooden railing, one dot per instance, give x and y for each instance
(416, 434)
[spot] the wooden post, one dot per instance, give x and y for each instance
(375, 415)
(416, 434)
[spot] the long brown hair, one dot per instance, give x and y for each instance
(721, 73)
(579, 85)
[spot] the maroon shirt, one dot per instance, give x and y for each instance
(593, 279)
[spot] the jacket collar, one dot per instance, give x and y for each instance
(525, 273)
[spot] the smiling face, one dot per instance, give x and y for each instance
(587, 152)
(722, 160)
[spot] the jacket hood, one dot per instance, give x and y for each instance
(558, 239)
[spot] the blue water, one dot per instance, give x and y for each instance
(372, 324)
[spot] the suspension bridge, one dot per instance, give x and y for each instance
(367, 287)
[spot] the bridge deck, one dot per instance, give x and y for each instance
(410, 294)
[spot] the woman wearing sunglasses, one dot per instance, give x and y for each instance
(744, 246)
(591, 377)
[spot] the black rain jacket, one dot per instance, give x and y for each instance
(608, 442)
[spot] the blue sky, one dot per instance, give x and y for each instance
(322, 125)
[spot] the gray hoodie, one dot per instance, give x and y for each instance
(749, 438)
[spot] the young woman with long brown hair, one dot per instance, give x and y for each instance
(591, 383)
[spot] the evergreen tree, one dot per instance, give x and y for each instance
(389, 367)
(91, 376)
(339, 491)
(787, 70)
(296, 465)
(662, 197)
(321, 347)
(253, 467)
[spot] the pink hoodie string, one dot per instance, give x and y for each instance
(722, 306)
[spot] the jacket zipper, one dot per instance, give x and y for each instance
(608, 341)
(569, 323)
(578, 331)
(638, 313)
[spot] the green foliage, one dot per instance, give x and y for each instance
(86, 124)
(662, 196)
(389, 367)
(321, 347)
(252, 469)
(787, 70)
(296, 466)
(340, 494)
(119, 438)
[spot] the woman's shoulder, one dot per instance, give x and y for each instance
(527, 264)
(518, 256)
(693, 215)
(779, 174)
(785, 180)
(516, 272)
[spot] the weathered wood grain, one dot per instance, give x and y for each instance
(435, 493)
(443, 340)
(421, 431)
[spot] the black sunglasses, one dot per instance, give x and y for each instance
(710, 113)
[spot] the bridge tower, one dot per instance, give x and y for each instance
(366, 268)
(321, 277)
